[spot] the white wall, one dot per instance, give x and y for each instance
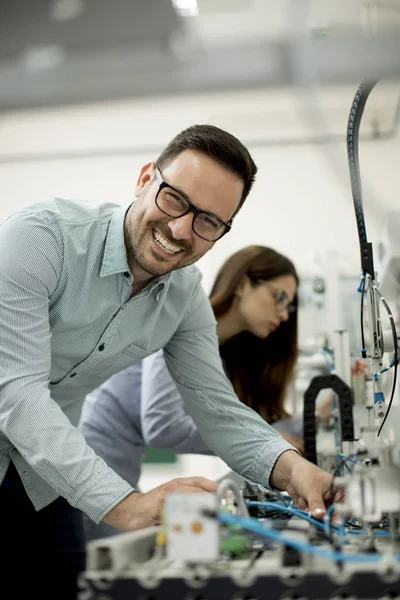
(301, 203)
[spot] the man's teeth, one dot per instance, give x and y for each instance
(165, 245)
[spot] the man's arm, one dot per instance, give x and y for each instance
(233, 431)
(165, 421)
(31, 261)
(236, 433)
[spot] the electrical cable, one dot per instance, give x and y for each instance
(328, 360)
(305, 516)
(343, 461)
(340, 455)
(395, 360)
(362, 290)
(338, 468)
(353, 129)
(279, 496)
(328, 527)
(252, 524)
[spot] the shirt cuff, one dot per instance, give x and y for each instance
(102, 494)
(267, 460)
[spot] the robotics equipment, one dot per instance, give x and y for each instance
(247, 543)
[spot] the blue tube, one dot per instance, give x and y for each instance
(253, 525)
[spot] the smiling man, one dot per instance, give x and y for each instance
(199, 193)
(86, 291)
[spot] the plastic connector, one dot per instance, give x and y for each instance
(379, 409)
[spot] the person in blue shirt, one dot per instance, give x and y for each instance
(88, 290)
(254, 300)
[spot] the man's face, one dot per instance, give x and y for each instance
(157, 243)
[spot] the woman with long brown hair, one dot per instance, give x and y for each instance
(254, 299)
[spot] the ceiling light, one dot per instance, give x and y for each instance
(66, 10)
(186, 8)
(43, 58)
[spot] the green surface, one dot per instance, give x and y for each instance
(159, 456)
(235, 544)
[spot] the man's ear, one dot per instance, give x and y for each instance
(145, 176)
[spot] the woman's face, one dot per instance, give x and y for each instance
(265, 305)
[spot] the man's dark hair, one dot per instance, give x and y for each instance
(219, 145)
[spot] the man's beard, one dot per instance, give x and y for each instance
(159, 265)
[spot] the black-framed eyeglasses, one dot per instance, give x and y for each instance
(174, 204)
(281, 299)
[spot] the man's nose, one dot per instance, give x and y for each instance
(181, 228)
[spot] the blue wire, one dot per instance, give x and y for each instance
(342, 456)
(347, 467)
(327, 520)
(330, 509)
(296, 512)
(252, 524)
(347, 458)
(327, 360)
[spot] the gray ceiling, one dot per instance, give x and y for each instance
(110, 44)
(104, 23)
(121, 48)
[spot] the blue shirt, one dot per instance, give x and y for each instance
(68, 323)
(138, 407)
(141, 406)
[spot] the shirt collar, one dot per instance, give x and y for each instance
(114, 256)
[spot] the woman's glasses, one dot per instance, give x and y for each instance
(281, 299)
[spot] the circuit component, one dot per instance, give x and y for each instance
(190, 536)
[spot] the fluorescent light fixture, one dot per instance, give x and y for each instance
(186, 8)
(43, 58)
(66, 10)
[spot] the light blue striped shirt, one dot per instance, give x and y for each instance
(141, 406)
(68, 323)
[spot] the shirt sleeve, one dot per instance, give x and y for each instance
(31, 262)
(236, 433)
(165, 420)
(290, 425)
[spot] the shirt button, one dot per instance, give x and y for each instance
(127, 274)
(72, 374)
(101, 347)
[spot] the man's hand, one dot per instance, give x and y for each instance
(309, 486)
(143, 510)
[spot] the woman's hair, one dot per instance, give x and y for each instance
(260, 369)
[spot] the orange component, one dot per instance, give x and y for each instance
(197, 527)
